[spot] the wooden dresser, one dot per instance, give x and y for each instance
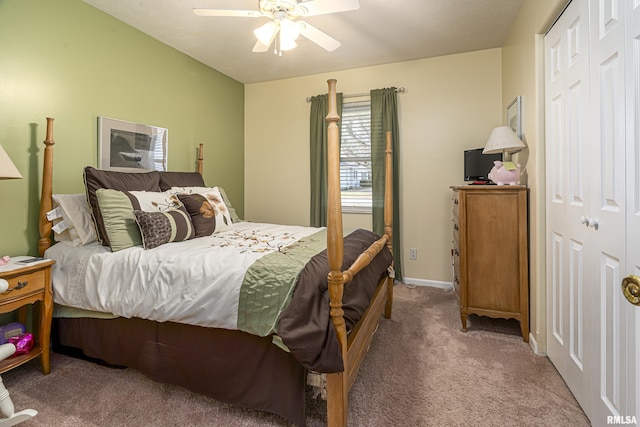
(490, 252)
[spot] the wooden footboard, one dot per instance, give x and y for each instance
(355, 346)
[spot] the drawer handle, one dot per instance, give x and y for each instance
(456, 252)
(455, 227)
(455, 201)
(19, 286)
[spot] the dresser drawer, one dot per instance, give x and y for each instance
(456, 233)
(455, 205)
(456, 272)
(24, 284)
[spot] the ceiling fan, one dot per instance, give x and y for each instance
(283, 15)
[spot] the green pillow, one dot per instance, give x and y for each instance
(118, 219)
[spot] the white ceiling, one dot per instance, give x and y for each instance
(380, 32)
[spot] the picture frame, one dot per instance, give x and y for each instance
(131, 147)
(514, 116)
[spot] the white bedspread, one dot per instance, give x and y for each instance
(194, 282)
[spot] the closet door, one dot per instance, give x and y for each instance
(632, 315)
(568, 158)
(614, 337)
(593, 159)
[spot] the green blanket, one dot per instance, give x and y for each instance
(269, 283)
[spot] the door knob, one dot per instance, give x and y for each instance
(631, 289)
(589, 222)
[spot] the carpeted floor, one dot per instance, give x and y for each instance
(421, 370)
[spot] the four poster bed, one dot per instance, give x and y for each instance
(324, 322)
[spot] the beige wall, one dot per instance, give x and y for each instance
(523, 74)
(451, 104)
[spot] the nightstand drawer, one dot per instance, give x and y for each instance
(24, 284)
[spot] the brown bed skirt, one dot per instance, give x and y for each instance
(230, 366)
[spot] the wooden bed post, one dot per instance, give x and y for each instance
(388, 218)
(355, 346)
(337, 386)
(46, 202)
(199, 161)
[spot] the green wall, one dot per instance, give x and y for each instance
(70, 61)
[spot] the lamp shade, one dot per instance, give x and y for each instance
(266, 33)
(503, 139)
(7, 168)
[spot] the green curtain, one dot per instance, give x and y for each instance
(384, 118)
(318, 157)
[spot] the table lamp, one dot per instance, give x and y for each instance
(503, 140)
(7, 168)
(7, 171)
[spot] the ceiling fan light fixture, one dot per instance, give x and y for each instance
(289, 30)
(266, 33)
(286, 44)
(284, 27)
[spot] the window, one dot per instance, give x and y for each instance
(355, 157)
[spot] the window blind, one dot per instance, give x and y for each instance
(355, 157)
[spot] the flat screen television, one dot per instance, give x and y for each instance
(477, 165)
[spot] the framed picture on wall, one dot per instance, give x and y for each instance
(131, 147)
(514, 116)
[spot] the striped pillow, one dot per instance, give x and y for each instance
(158, 228)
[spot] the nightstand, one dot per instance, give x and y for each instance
(29, 284)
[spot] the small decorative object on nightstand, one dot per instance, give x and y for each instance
(28, 283)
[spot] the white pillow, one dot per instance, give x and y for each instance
(213, 196)
(232, 211)
(72, 222)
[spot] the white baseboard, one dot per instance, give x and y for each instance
(534, 346)
(432, 283)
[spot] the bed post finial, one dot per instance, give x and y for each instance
(46, 201)
(200, 158)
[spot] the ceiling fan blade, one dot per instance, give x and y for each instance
(259, 47)
(318, 37)
(227, 12)
(321, 7)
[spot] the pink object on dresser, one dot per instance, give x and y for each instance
(502, 176)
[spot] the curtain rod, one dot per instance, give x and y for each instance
(358, 95)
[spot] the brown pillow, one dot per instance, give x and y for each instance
(158, 228)
(122, 181)
(180, 179)
(203, 216)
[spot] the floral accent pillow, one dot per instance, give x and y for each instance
(158, 228)
(213, 196)
(203, 215)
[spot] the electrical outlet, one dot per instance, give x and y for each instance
(413, 254)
